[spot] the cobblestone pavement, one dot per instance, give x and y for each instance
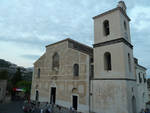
(12, 107)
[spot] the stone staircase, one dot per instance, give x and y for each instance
(56, 108)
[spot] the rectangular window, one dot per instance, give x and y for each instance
(144, 78)
(39, 72)
(140, 79)
(129, 62)
(91, 71)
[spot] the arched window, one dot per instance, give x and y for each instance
(76, 70)
(140, 79)
(144, 78)
(107, 61)
(55, 60)
(106, 27)
(125, 25)
(129, 62)
(39, 71)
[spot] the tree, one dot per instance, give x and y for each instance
(24, 84)
(17, 77)
(4, 75)
(4, 63)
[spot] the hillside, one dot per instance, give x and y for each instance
(11, 68)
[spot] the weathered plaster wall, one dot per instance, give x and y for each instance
(109, 96)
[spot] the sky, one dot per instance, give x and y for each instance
(27, 26)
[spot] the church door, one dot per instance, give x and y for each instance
(53, 95)
(37, 95)
(75, 102)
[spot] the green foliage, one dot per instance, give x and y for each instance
(24, 84)
(17, 77)
(9, 86)
(4, 75)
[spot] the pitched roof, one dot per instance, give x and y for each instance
(76, 45)
(57, 42)
(112, 10)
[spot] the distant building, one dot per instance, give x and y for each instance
(3, 86)
(148, 88)
(102, 79)
(142, 90)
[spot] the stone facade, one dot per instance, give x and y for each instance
(106, 76)
(63, 80)
(142, 91)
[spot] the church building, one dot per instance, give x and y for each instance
(103, 79)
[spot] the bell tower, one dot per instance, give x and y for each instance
(113, 55)
(114, 72)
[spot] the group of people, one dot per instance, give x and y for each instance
(48, 110)
(145, 110)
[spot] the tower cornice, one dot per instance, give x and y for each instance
(119, 40)
(112, 10)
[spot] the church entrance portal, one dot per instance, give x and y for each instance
(53, 95)
(37, 95)
(75, 102)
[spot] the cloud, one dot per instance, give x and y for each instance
(29, 25)
(30, 57)
(140, 18)
(140, 34)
